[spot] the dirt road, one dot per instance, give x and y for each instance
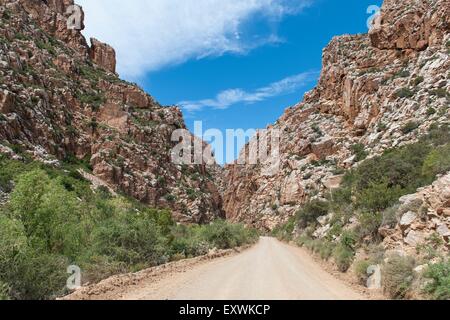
(270, 270)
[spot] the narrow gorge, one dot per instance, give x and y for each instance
(364, 157)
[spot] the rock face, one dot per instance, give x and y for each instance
(422, 218)
(414, 26)
(61, 100)
(371, 86)
(103, 55)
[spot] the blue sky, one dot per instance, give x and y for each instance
(231, 64)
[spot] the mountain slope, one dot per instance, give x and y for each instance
(376, 91)
(61, 100)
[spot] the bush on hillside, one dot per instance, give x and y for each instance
(437, 162)
(131, 238)
(377, 197)
(284, 232)
(40, 276)
(343, 257)
(368, 225)
(324, 249)
(359, 150)
(310, 212)
(360, 269)
(223, 235)
(398, 276)
(344, 252)
(377, 183)
(410, 127)
(13, 244)
(188, 242)
(439, 274)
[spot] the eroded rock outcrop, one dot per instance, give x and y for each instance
(103, 55)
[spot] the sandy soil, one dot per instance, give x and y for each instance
(270, 270)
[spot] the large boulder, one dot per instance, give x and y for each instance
(407, 219)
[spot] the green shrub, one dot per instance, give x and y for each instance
(93, 99)
(437, 135)
(431, 111)
(46, 46)
(188, 242)
(348, 239)
(359, 152)
(93, 124)
(9, 171)
(439, 274)
(343, 257)
(285, 231)
(325, 249)
(382, 127)
(418, 80)
(389, 216)
(344, 251)
(403, 74)
(409, 127)
(170, 198)
(96, 267)
(6, 14)
(404, 93)
(310, 212)
(360, 269)
(316, 129)
(49, 213)
(223, 235)
(437, 162)
(368, 225)
(40, 276)
(377, 183)
(398, 275)
(130, 238)
(441, 92)
(378, 196)
(29, 274)
(303, 240)
(13, 244)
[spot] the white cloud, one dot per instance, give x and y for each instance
(151, 34)
(229, 97)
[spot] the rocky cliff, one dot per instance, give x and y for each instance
(376, 91)
(61, 100)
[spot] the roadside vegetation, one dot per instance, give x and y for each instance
(367, 200)
(53, 219)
